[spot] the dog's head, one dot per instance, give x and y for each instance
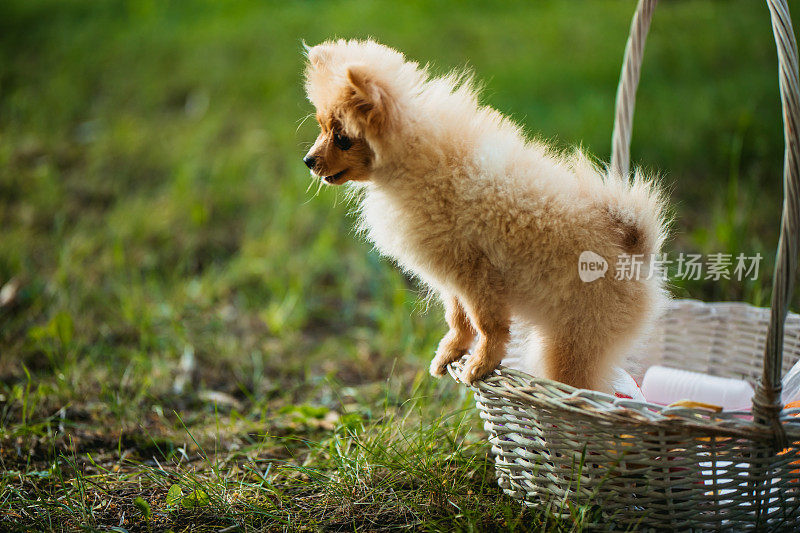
(339, 155)
(354, 86)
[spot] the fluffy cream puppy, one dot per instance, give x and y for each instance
(492, 221)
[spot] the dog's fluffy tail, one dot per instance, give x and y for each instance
(635, 206)
(638, 207)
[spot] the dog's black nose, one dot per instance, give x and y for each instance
(309, 160)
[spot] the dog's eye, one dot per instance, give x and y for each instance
(342, 141)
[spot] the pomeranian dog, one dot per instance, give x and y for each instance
(493, 222)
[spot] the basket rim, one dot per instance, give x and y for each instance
(514, 386)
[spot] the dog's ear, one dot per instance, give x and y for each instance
(317, 55)
(369, 99)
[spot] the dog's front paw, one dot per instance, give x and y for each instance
(442, 359)
(437, 368)
(451, 348)
(477, 368)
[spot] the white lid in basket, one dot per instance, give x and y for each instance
(664, 385)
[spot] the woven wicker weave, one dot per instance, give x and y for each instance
(647, 466)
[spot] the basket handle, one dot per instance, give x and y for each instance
(766, 401)
(628, 82)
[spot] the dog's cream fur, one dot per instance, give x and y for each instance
(492, 221)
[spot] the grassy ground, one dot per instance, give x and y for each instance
(192, 338)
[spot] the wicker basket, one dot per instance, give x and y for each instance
(640, 465)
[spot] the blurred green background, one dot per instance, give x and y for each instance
(160, 236)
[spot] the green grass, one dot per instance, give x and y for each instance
(186, 310)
